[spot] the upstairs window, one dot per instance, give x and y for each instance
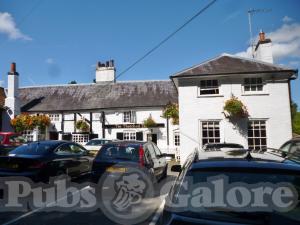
(54, 117)
(253, 84)
(129, 117)
(209, 87)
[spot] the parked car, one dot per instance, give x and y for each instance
(114, 157)
(9, 141)
(42, 160)
(247, 168)
(290, 150)
(221, 146)
(94, 145)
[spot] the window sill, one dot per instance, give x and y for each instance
(255, 94)
(210, 96)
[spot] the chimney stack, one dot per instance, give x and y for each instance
(105, 72)
(12, 99)
(263, 49)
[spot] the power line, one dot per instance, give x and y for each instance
(167, 38)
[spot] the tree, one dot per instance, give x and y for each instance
(73, 82)
(294, 108)
(295, 118)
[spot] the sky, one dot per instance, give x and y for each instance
(55, 41)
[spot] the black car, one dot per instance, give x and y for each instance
(243, 168)
(116, 156)
(42, 160)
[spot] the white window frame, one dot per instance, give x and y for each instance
(28, 135)
(80, 138)
(129, 135)
(210, 126)
(176, 138)
(207, 85)
(129, 117)
(259, 142)
(254, 85)
(54, 117)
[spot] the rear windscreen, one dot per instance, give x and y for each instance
(126, 152)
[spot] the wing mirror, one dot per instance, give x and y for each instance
(176, 168)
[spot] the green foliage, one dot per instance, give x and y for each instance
(82, 125)
(26, 121)
(235, 108)
(172, 111)
(294, 109)
(73, 82)
(296, 123)
(149, 122)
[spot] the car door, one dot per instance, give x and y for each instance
(161, 160)
(66, 160)
(155, 161)
(81, 156)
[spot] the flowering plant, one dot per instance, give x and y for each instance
(82, 125)
(26, 121)
(234, 108)
(149, 122)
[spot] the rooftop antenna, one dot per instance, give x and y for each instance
(251, 12)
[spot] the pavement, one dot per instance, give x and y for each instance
(87, 218)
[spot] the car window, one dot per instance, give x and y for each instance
(76, 149)
(151, 150)
(156, 149)
(17, 139)
(64, 150)
(1, 138)
(286, 147)
(34, 148)
(97, 142)
(115, 151)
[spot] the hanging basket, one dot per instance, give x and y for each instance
(234, 108)
(82, 125)
(149, 122)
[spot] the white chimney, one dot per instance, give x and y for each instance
(12, 102)
(263, 49)
(105, 73)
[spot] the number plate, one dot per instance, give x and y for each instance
(116, 170)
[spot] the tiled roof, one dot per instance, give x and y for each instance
(97, 96)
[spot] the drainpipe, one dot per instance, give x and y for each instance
(168, 141)
(103, 123)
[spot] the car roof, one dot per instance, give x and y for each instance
(8, 133)
(127, 142)
(221, 159)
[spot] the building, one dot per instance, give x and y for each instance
(264, 88)
(113, 110)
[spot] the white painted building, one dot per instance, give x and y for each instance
(264, 88)
(113, 110)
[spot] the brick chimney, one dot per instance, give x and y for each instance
(263, 49)
(12, 99)
(105, 72)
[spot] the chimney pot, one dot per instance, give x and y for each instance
(13, 67)
(262, 36)
(107, 63)
(98, 64)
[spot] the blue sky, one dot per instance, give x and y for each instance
(57, 41)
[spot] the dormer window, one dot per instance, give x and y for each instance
(129, 117)
(209, 87)
(253, 84)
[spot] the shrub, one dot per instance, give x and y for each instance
(149, 122)
(172, 111)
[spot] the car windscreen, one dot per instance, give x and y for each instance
(97, 142)
(34, 148)
(115, 151)
(221, 183)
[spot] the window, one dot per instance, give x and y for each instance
(176, 139)
(257, 135)
(28, 135)
(76, 149)
(129, 117)
(253, 84)
(129, 135)
(210, 132)
(80, 138)
(157, 150)
(54, 117)
(209, 87)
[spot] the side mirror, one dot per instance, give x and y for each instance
(176, 168)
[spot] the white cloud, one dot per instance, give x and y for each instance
(49, 61)
(287, 19)
(9, 27)
(285, 42)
